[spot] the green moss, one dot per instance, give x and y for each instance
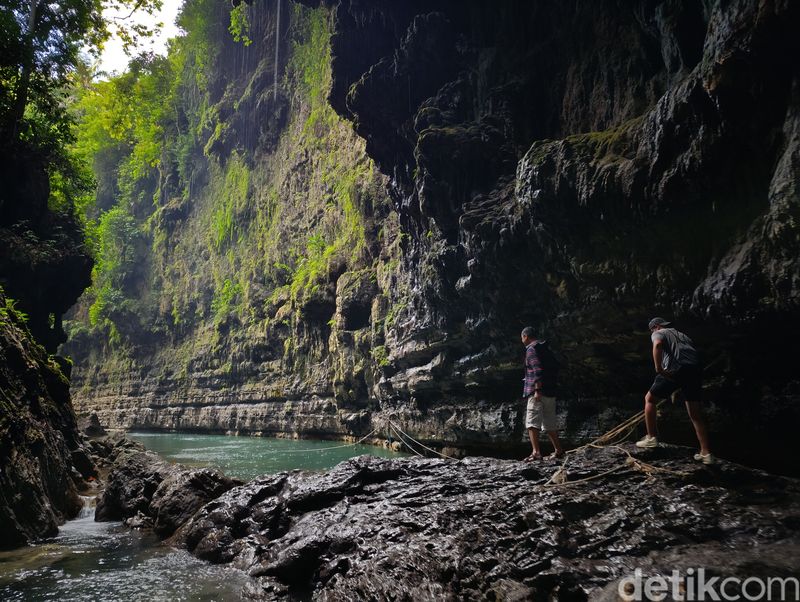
(230, 195)
(310, 66)
(609, 145)
(394, 313)
(223, 303)
(380, 355)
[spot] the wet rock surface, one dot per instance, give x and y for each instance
(491, 529)
(144, 491)
(43, 461)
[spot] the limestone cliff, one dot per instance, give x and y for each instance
(576, 166)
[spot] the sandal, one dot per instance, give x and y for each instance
(534, 457)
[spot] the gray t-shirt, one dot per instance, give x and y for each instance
(678, 349)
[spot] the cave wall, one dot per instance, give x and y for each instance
(576, 166)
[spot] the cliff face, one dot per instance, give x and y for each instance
(247, 306)
(41, 453)
(44, 267)
(576, 166)
(644, 164)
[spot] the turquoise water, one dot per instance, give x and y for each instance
(107, 562)
(89, 561)
(249, 457)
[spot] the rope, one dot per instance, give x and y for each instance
(644, 466)
(560, 477)
(321, 449)
(397, 428)
(400, 437)
(612, 438)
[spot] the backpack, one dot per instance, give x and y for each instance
(549, 363)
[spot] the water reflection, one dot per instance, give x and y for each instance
(249, 457)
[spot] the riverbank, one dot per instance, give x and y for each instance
(483, 528)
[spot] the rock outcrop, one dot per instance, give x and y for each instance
(491, 529)
(44, 462)
(576, 166)
(144, 491)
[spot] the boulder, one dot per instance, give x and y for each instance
(150, 491)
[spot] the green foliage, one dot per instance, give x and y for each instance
(240, 24)
(39, 63)
(9, 311)
(380, 355)
(224, 300)
(311, 266)
(230, 199)
(394, 313)
(116, 232)
(197, 49)
(310, 66)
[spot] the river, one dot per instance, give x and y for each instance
(106, 561)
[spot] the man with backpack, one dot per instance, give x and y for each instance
(677, 365)
(541, 375)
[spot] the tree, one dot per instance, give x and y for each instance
(41, 42)
(41, 64)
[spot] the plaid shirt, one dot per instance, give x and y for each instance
(533, 370)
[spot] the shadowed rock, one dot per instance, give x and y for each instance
(482, 528)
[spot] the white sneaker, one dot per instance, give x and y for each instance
(647, 441)
(705, 459)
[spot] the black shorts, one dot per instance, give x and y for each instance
(687, 378)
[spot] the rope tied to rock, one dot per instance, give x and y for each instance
(401, 433)
(321, 449)
(612, 438)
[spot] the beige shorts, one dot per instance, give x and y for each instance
(541, 414)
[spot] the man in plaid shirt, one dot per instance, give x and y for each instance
(540, 392)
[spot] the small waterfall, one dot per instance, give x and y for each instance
(277, 52)
(89, 506)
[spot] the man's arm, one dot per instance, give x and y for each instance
(534, 371)
(658, 355)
